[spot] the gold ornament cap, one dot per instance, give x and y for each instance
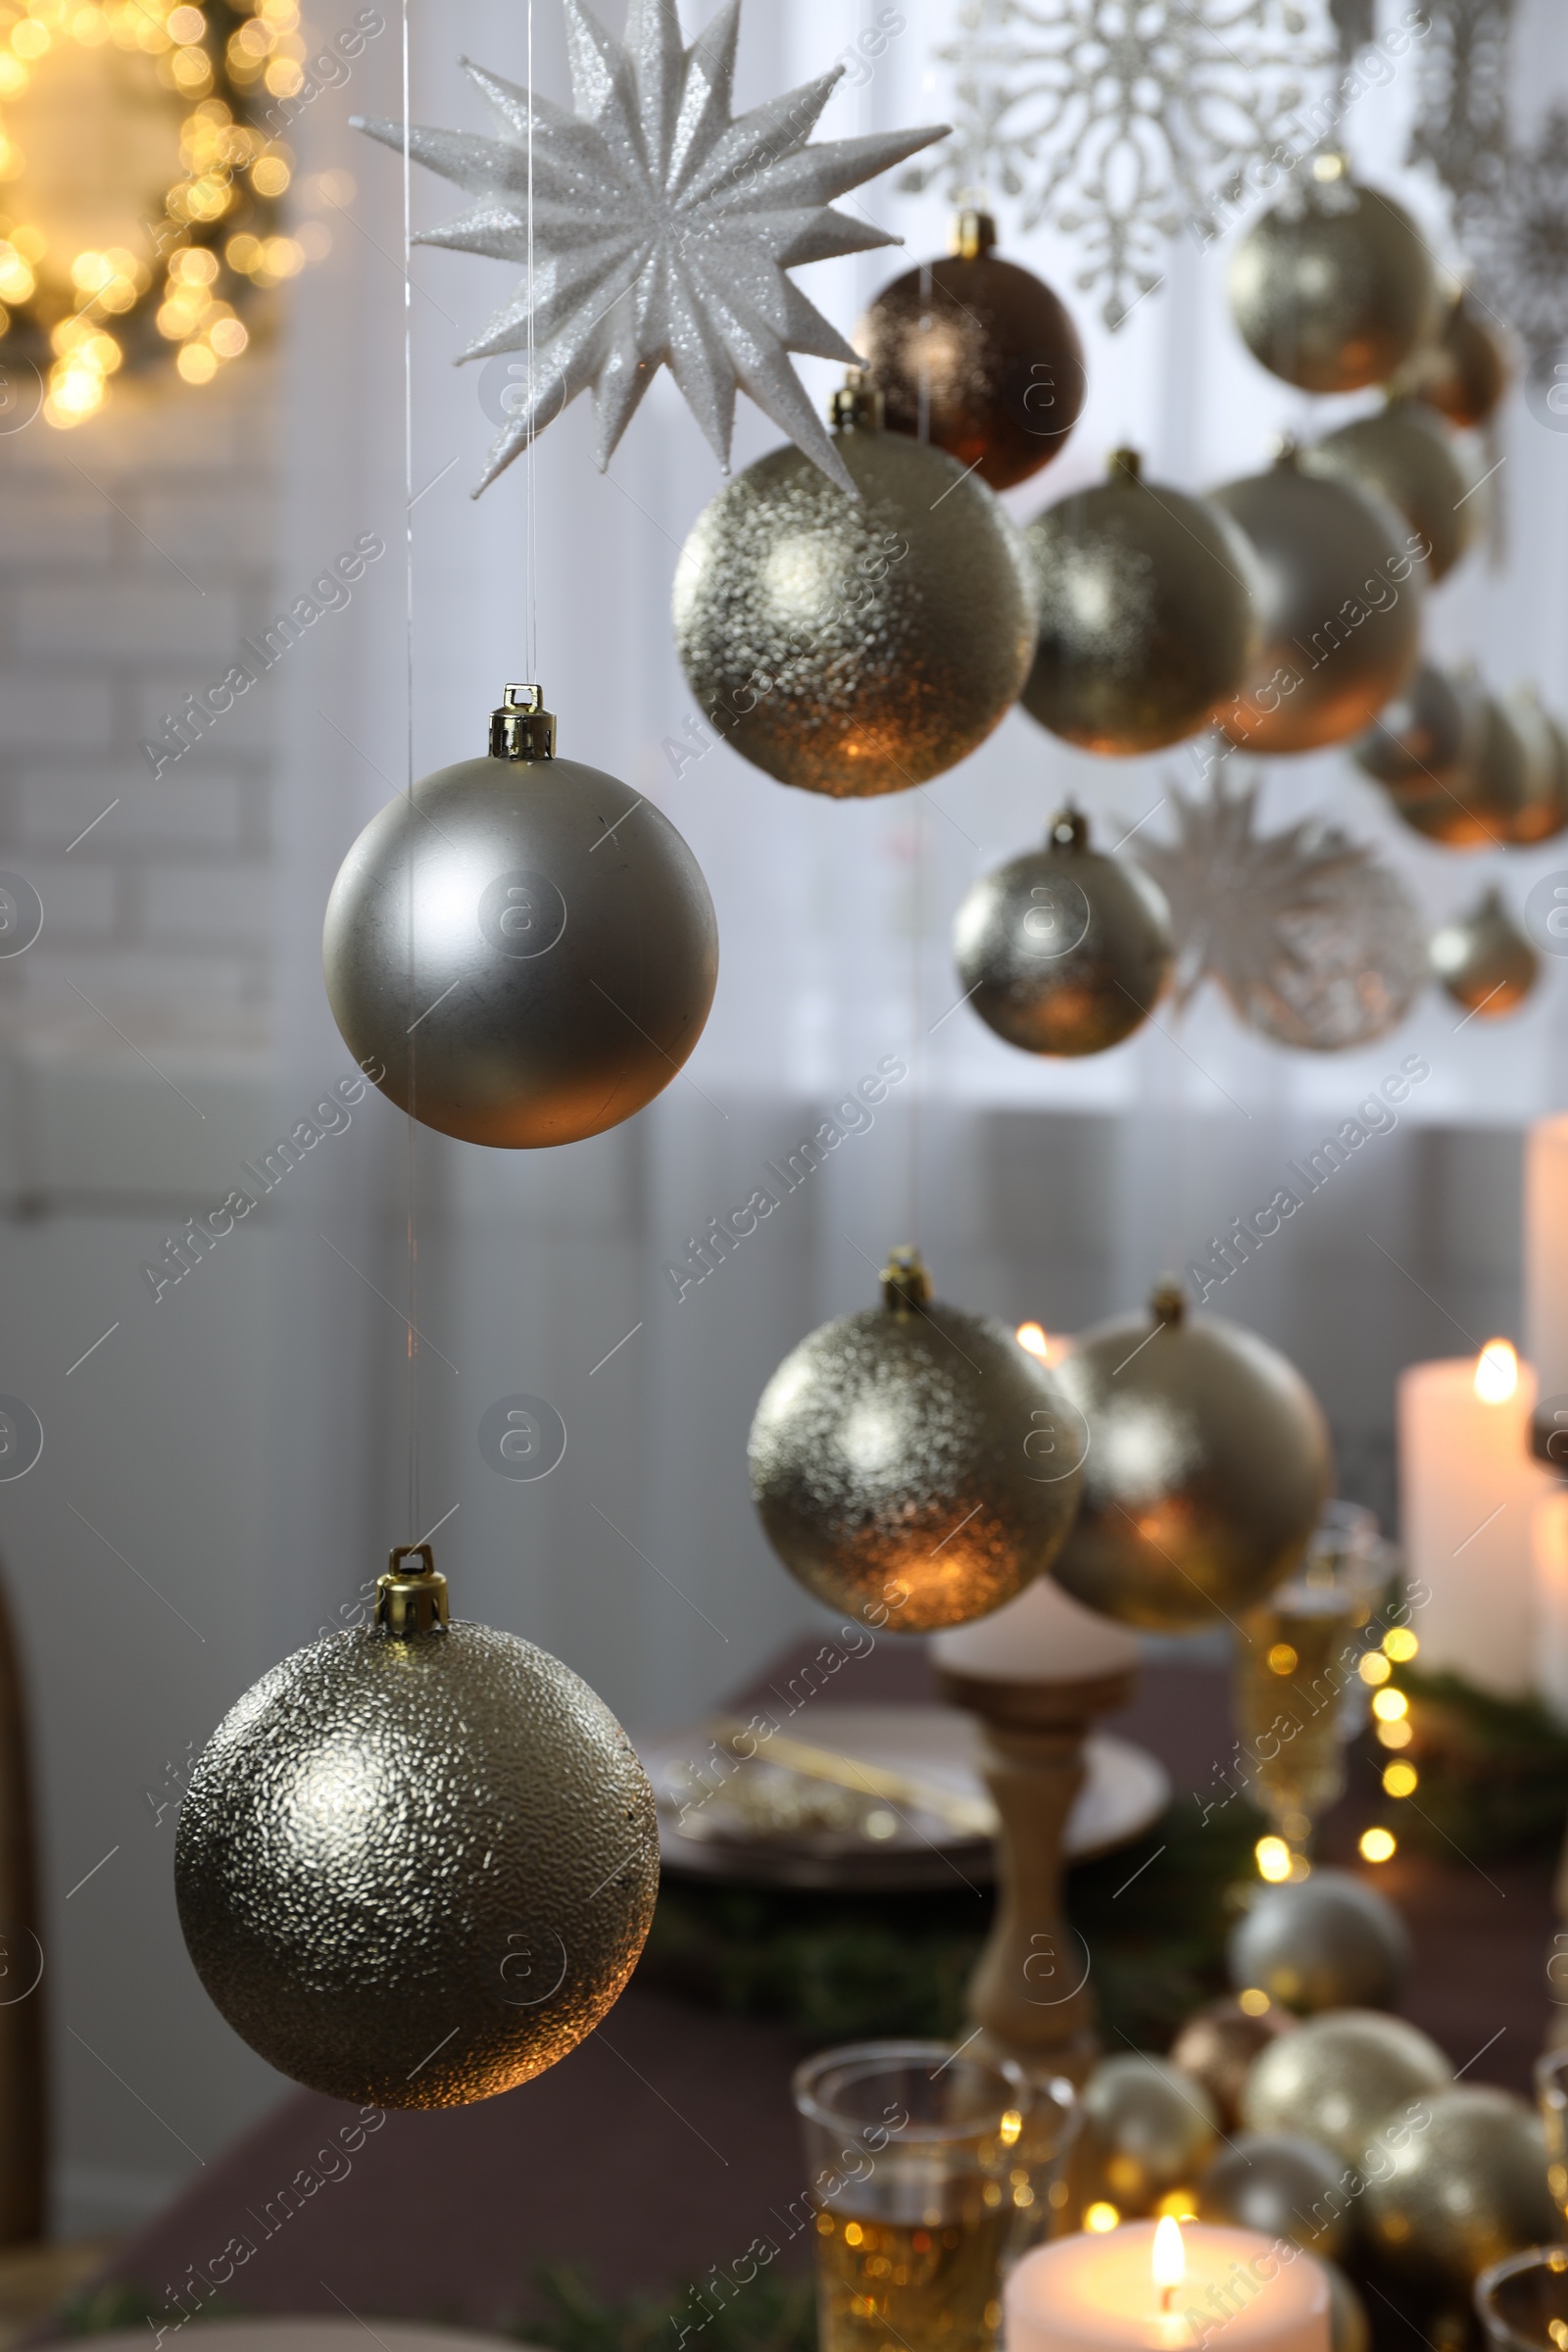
(407, 1605)
(523, 728)
(1069, 830)
(905, 1283)
(1167, 1302)
(973, 234)
(856, 406)
(1125, 465)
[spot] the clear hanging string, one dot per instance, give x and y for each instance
(530, 467)
(408, 528)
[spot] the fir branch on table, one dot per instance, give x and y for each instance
(769, 2315)
(1493, 1772)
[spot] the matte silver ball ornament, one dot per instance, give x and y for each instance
(855, 646)
(913, 1465)
(1339, 2078)
(1148, 2129)
(415, 1863)
(525, 948)
(1064, 951)
(1406, 455)
(1468, 2187)
(1209, 1464)
(1335, 286)
(1282, 2186)
(1330, 1942)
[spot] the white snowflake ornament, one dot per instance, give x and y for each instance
(663, 229)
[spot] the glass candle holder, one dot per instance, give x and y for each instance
(931, 2173)
(1523, 2301)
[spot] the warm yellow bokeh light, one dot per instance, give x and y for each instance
(1400, 1644)
(1400, 1780)
(1390, 1706)
(228, 338)
(1253, 2001)
(196, 363)
(1496, 1372)
(1374, 1667)
(1274, 1860)
(1102, 2217)
(1378, 1845)
(1398, 1734)
(1281, 1659)
(270, 176)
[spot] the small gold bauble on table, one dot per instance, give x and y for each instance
(1148, 613)
(1328, 1941)
(1484, 961)
(977, 356)
(1464, 369)
(1220, 2043)
(914, 1466)
(1341, 607)
(1463, 2191)
(1406, 455)
(1207, 1466)
(1064, 951)
(417, 1863)
(1148, 2132)
(1282, 2186)
(1335, 286)
(1339, 2078)
(855, 646)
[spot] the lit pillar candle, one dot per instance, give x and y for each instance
(1468, 1489)
(1166, 2288)
(1546, 1266)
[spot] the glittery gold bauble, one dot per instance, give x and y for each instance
(1341, 605)
(1343, 2079)
(1463, 371)
(1220, 2043)
(417, 1871)
(1064, 951)
(855, 646)
(1406, 455)
(1484, 959)
(912, 1465)
(521, 950)
(1147, 2130)
(977, 356)
(1207, 1467)
(1448, 2199)
(1281, 2187)
(1328, 1942)
(1429, 736)
(1509, 791)
(1148, 613)
(1335, 286)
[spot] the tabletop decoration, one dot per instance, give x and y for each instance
(1341, 2078)
(1148, 2133)
(1328, 1941)
(1219, 2044)
(1461, 2193)
(1282, 2186)
(1160, 2286)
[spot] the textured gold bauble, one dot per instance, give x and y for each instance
(1484, 959)
(1463, 371)
(1406, 455)
(521, 950)
(1339, 2078)
(1335, 286)
(1148, 613)
(1340, 606)
(1219, 2045)
(977, 356)
(417, 1871)
(1207, 1467)
(1328, 1942)
(1464, 2192)
(1064, 951)
(1509, 790)
(855, 646)
(1147, 2130)
(1282, 2186)
(912, 1465)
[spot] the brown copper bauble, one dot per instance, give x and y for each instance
(1463, 371)
(1510, 791)
(1218, 2046)
(1407, 455)
(1064, 951)
(1340, 607)
(1207, 1466)
(1148, 613)
(1335, 286)
(977, 356)
(1484, 959)
(912, 1465)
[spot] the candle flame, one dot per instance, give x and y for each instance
(1169, 2258)
(1496, 1372)
(1036, 1340)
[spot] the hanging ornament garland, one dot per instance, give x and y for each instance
(663, 229)
(1315, 943)
(1484, 959)
(1064, 951)
(978, 355)
(914, 1466)
(1406, 454)
(855, 644)
(1335, 286)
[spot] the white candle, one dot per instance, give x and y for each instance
(1546, 1258)
(1105, 2294)
(1468, 1489)
(1548, 1561)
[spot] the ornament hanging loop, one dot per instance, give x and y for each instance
(1168, 1302)
(905, 1283)
(973, 234)
(858, 405)
(407, 1606)
(523, 728)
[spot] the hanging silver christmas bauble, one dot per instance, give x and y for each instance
(977, 356)
(1148, 613)
(1484, 959)
(855, 646)
(1219, 2045)
(1509, 790)
(417, 1863)
(1328, 1942)
(1207, 1467)
(1427, 740)
(524, 948)
(1148, 2131)
(1406, 455)
(1341, 2077)
(912, 1465)
(1335, 286)
(1340, 607)
(1281, 2187)
(1464, 369)
(1445, 2203)
(1064, 951)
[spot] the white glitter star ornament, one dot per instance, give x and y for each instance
(663, 228)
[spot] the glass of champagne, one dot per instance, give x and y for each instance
(931, 2172)
(1523, 2301)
